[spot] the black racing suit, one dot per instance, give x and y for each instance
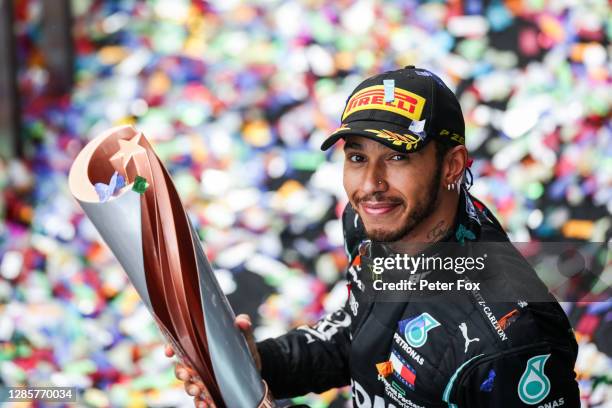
(467, 351)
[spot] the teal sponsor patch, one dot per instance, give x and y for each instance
(534, 385)
(415, 330)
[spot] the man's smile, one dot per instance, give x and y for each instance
(377, 208)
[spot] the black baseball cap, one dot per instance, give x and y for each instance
(402, 109)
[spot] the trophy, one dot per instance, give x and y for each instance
(140, 217)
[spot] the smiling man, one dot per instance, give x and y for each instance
(505, 344)
(396, 194)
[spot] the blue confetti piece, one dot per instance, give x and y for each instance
(105, 191)
(599, 307)
(473, 7)
(389, 85)
(444, 42)
(487, 385)
(557, 189)
(499, 16)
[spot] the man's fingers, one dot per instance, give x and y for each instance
(193, 389)
(181, 372)
(200, 403)
(192, 383)
(184, 372)
(203, 400)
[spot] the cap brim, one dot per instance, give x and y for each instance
(395, 137)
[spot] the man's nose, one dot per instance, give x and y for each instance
(374, 180)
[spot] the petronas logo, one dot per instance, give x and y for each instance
(534, 386)
(416, 329)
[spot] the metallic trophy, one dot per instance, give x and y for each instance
(140, 217)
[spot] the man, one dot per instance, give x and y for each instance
(503, 342)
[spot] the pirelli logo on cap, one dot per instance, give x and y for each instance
(405, 103)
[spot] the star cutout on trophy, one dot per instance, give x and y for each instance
(126, 159)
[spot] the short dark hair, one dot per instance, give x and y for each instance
(441, 149)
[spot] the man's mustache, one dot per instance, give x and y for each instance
(378, 198)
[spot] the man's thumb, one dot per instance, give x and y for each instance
(243, 322)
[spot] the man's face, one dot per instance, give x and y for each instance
(408, 192)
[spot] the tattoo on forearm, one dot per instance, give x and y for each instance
(438, 231)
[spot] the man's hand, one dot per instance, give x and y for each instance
(193, 383)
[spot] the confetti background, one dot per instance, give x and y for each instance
(237, 97)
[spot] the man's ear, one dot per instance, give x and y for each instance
(454, 164)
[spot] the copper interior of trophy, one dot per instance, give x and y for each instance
(177, 264)
(171, 271)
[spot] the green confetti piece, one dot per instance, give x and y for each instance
(307, 161)
(322, 30)
(472, 49)
(325, 86)
(534, 190)
(347, 43)
(168, 38)
(564, 77)
(192, 115)
(80, 367)
(393, 14)
(597, 105)
(536, 5)
(147, 382)
(365, 59)
(140, 185)
(23, 350)
(7, 353)
(37, 131)
(174, 147)
(299, 400)
(186, 184)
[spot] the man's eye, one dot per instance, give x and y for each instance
(356, 158)
(398, 157)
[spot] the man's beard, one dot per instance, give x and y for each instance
(424, 206)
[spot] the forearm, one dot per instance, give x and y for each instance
(307, 359)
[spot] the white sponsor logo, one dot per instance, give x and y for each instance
(397, 395)
(409, 350)
(326, 328)
(361, 398)
(553, 404)
(353, 271)
(463, 328)
(487, 311)
(353, 303)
